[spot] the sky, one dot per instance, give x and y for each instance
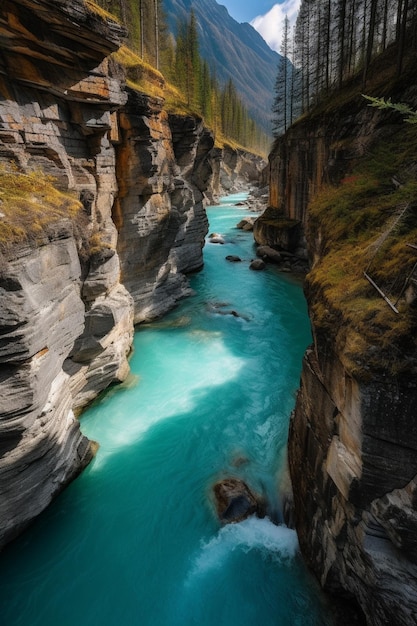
(265, 16)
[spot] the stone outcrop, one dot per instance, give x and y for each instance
(238, 167)
(352, 456)
(257, 264)
(41, 445)
(246, 224)
(234, 170)
(269, 254)
(353, 438)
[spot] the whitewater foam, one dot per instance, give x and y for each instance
(278, 543)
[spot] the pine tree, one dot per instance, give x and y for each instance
(281, 107)
(194, 63)
(205, 92)
(188, 61)
(181, 63)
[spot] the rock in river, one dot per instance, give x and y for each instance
(216, 238)
(235, 501)
(257, 264)
(246, 223)
(269, 254)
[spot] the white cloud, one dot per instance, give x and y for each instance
(270, 25)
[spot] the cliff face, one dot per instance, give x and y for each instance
(353, 466)
(167, 170)
(159, 212)
(73, 284)
(66, 320)
(353, 437)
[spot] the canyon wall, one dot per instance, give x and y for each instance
(66, 320)
(72, 287)
(162, 161)
(353, 436)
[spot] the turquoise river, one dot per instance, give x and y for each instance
(135, 541)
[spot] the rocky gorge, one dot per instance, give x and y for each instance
(137, 178)
(73, 286)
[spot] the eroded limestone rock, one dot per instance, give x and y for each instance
(238, 169)
(246, 224)
(41, 447)
(269, 254)
(257, 264)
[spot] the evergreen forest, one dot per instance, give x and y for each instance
(177, 56)
(334, 41)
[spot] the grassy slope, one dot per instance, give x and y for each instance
(365, 224)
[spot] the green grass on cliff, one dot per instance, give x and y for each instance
(29, 204)
(365, 224)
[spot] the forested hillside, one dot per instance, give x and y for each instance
(335, 42)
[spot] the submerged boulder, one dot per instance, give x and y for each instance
(257, 264)
(235, 501)
(216, 238)
(232, 258)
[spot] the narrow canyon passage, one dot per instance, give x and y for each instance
(135, 539)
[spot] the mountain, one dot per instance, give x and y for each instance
(235, 51)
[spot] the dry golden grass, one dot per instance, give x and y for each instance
(141, 76)
(96, 244)
(100, 11)
(129, 59)
(362, 227)
(29, 203)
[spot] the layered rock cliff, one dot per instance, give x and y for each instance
(353, 438)
(161, 236)
(125, 222)
(67, 321)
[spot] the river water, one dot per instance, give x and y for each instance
(135, 540)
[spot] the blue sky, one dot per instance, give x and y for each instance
(246, 10)
(266, 16)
